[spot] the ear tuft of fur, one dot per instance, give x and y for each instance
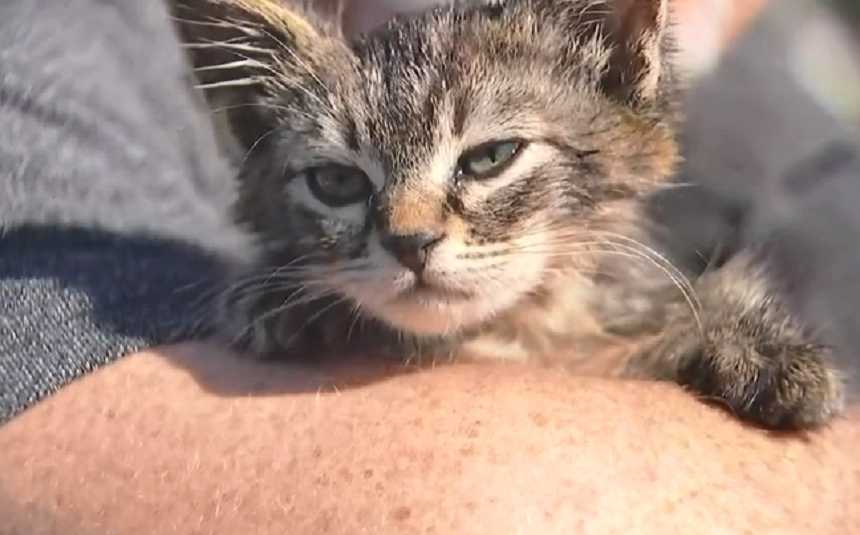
(636, 32)
(247, 52)
(275, 14)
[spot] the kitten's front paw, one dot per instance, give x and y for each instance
(777, 385)
(744, 347)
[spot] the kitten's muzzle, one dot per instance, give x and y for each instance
(411, 250)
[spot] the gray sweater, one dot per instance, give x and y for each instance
(113, 199)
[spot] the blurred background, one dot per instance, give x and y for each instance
(771, 141)
(772, 133)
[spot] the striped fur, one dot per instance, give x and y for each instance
(551, 255)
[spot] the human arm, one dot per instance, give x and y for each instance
(189, 440)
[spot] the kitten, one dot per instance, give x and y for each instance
(473, 180)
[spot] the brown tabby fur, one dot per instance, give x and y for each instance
(552, 256)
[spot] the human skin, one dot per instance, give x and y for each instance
(189, 440)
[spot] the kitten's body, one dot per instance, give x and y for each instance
(474, 180)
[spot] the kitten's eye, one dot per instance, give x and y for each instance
(338, 185)
(489, 159)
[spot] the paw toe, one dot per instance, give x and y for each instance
(799, 389)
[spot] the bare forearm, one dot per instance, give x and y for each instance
(188, 441)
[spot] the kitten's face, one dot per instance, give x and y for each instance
(440, 170)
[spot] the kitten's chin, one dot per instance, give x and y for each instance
(440, 318)
(444, 302)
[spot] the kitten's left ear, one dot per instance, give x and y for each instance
(248, 53)
(636, 31)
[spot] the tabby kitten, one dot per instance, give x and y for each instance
(472, 180)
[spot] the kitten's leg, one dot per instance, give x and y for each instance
(746, 350)
(280, 324)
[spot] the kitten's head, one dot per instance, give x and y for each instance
(438, 170)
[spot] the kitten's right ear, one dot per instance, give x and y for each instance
(636, 32)
(246, 53)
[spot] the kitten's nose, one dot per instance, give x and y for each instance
(411, 251)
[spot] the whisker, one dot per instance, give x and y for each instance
(289, 50)
(238, 82)
(563, 240)
(230, 65)
(356, 318)
(627, 251)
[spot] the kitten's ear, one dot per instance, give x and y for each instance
(636, 31)
(246, 52)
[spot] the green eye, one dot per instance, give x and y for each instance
(338, 185)
(488, 159)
